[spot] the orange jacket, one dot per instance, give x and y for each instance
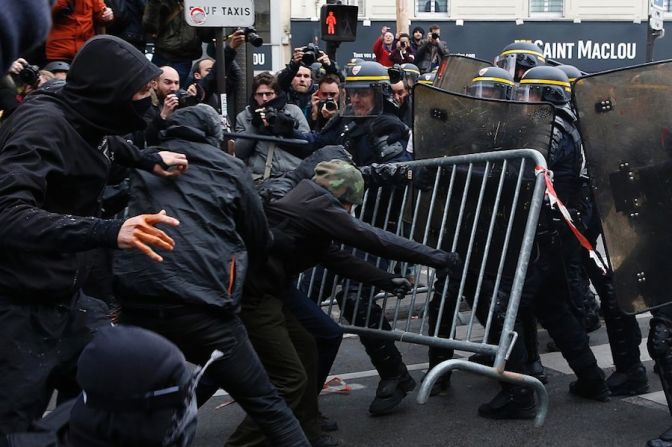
(71, 30)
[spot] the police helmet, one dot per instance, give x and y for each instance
(544, 84)
(571, 71)
(492, 83)
(411, 74)
(366, 78)
(427, 78)
(57, 66)
(518, 57)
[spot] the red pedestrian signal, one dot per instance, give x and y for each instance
(338, 23)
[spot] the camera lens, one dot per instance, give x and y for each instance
(253, 38)
(435, 36)
(330, 105)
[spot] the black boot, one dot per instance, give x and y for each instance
(391, 391)
(630, 382)
(513, 402)
(590, 385)
(664, 440)
(536, 369)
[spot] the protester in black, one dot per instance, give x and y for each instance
(54, 161)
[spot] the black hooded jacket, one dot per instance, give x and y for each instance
(54, 165)
(222, 223)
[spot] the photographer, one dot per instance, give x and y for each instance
(403, 54)
(269, 113)
(325, 101)
(383, 47)
(21, 80)
(296, 80)
(434, 49)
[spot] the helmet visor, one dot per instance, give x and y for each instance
(362, 101)
(491, 88)
(556, 94)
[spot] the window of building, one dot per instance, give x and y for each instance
(431, 7)
(361, 8)
(547, 7)
(668, 5)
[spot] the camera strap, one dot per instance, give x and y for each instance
(269, 160)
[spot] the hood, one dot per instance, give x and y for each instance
(103, 78)
(199, 123)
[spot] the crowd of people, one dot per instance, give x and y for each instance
(205, 268)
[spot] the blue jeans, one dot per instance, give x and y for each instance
(327, 333)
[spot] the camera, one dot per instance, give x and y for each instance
(435, 36)
(252, 37)
(184, 99)
(30, 75)
(403, 44)
(329, 104)
(310, 54)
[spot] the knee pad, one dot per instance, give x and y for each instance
(660, 338)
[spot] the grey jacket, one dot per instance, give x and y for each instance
(254, 153)
(429, 53)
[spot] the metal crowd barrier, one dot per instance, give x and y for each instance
(484, 206)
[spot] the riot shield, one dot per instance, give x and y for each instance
(625, 121)
(449, 124)
(456, 72)
(446, 124)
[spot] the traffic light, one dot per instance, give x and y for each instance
(338, 23)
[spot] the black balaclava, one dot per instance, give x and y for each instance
(119, 364)
(102, 80)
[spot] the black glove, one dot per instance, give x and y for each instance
(283, 125)
(384, 175)
(398, 286)
(451, 265)
(389, 126)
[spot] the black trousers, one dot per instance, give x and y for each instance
(39, 348)
(197, 332)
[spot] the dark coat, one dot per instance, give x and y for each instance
(316, 223)
(222, 224)
(53, 167)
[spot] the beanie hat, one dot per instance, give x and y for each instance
(342, 179)
(418, 28)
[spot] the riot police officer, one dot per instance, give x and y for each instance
(546, 290)
(492, 83)
(518, 57)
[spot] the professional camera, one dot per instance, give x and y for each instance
(30, 75)
(328, 104)
(184, 99)
(435, 36)
(252, 37)
(402, 44)
(279, 123)
(310, 54)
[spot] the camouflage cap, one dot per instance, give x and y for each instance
(342, 178)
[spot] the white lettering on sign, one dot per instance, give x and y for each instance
(587, 49)
(258, 59)
(219, 13)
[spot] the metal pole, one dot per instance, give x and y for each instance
(221, 73)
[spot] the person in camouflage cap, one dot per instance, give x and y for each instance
(342, 179)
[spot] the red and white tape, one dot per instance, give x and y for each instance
(555, 201)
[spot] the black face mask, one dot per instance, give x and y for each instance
(141, 106)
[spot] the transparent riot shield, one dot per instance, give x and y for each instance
(456, 72)
(449, 124)
(446, 124)
(625, 118)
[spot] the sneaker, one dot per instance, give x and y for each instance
(536, 369)
(629, 383)
(590, 389)
(441, 385)
(390, 392)
(326, 424)
(664, 440)
(325, 440)
(514, 403)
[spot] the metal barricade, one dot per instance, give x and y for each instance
(484, 206)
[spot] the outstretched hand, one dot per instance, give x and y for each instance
(140, 233)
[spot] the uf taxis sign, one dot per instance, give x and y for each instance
(219, 13)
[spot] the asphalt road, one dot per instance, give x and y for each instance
(451, 419)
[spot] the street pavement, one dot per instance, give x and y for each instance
(451, 419)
